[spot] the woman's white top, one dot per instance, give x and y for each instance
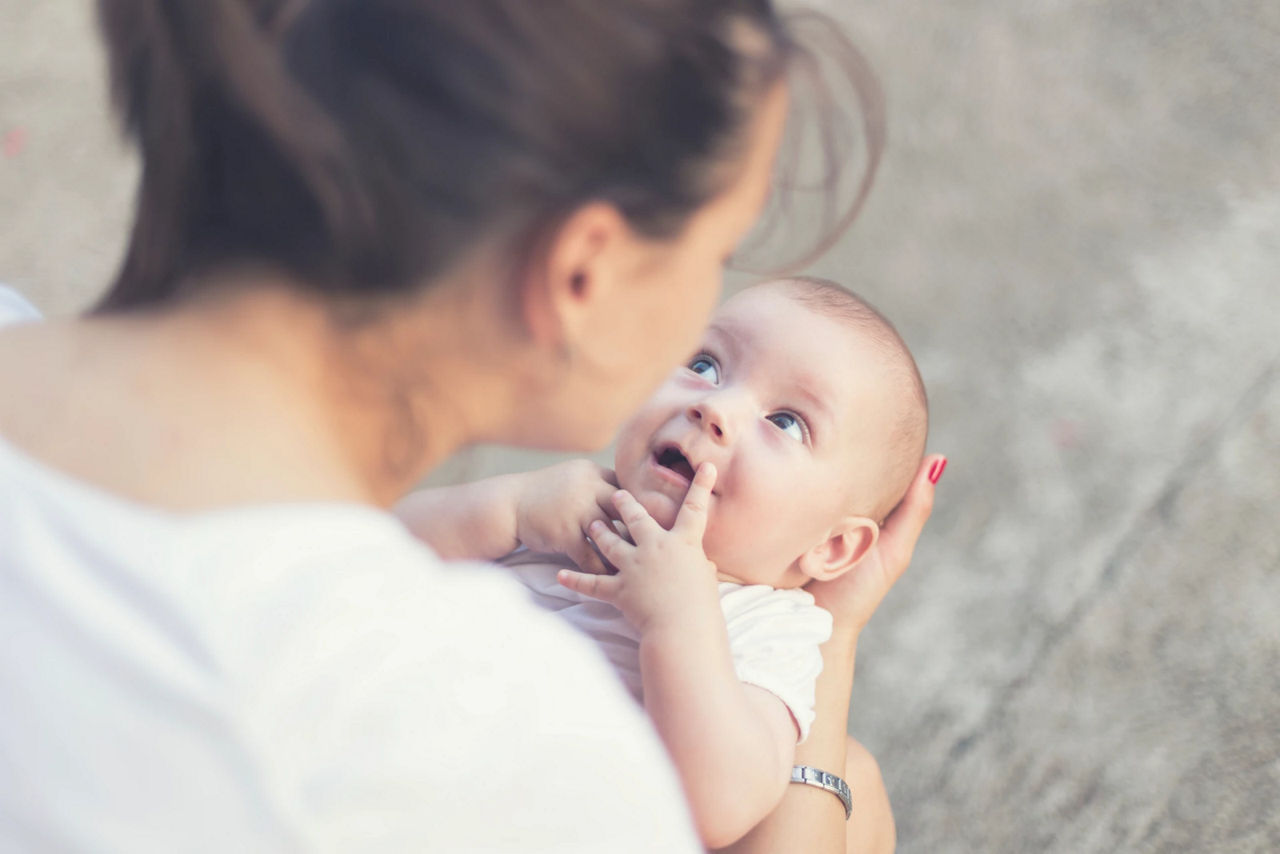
(295, 678)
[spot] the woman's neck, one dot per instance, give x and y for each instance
(255, 398)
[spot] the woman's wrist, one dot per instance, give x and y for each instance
(825, 746)
(844, 638)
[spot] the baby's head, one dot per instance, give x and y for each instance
(810, 406)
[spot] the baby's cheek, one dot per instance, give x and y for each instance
(718, 543)
(661, 507)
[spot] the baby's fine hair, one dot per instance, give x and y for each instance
(911, 430)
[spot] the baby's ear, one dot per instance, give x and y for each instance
(849, 542)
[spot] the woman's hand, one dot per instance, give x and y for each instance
(555, 506)
(808, 819)
(853, 597)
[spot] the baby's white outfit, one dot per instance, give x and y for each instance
(774, 634)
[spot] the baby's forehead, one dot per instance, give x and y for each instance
(843, 349)
(770, 319)
(795, 347)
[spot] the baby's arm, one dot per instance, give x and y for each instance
(474, 520)
(546, 510)
(731, 743)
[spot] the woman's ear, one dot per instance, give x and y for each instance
(849, 543)
(573, 275)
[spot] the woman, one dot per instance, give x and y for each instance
(368, 233)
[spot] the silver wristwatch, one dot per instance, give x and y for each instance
(817, 777)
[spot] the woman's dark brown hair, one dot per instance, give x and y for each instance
(361, 146)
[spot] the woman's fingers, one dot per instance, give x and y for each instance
(603, 587)
(691, 521)
(902, 529)
(854, 597)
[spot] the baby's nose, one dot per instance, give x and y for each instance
(713, 419)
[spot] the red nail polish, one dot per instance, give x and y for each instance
(935, 472)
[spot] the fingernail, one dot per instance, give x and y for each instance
(935, 472)
(596, 526)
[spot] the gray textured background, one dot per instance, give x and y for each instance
(1078, 229)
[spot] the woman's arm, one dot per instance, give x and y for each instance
(810, 819)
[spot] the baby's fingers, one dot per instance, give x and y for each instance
(692, 518)
(602, 587)
(634, 516)
(588, 558)
(605, 491)
(612, 547)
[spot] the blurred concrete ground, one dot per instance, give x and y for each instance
(1078, 229)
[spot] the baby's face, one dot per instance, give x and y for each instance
(787, 405)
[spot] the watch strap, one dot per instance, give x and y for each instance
(811, 776)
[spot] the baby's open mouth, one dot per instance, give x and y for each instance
(672, 458)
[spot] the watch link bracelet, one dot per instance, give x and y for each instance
(823, 780)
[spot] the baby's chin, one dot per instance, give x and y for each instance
(662, 507)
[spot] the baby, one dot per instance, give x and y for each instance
(766, 462)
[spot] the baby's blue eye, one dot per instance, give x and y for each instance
(789, 424)
(706, 367)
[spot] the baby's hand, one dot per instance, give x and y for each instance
(664, 577)
(555, 505)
